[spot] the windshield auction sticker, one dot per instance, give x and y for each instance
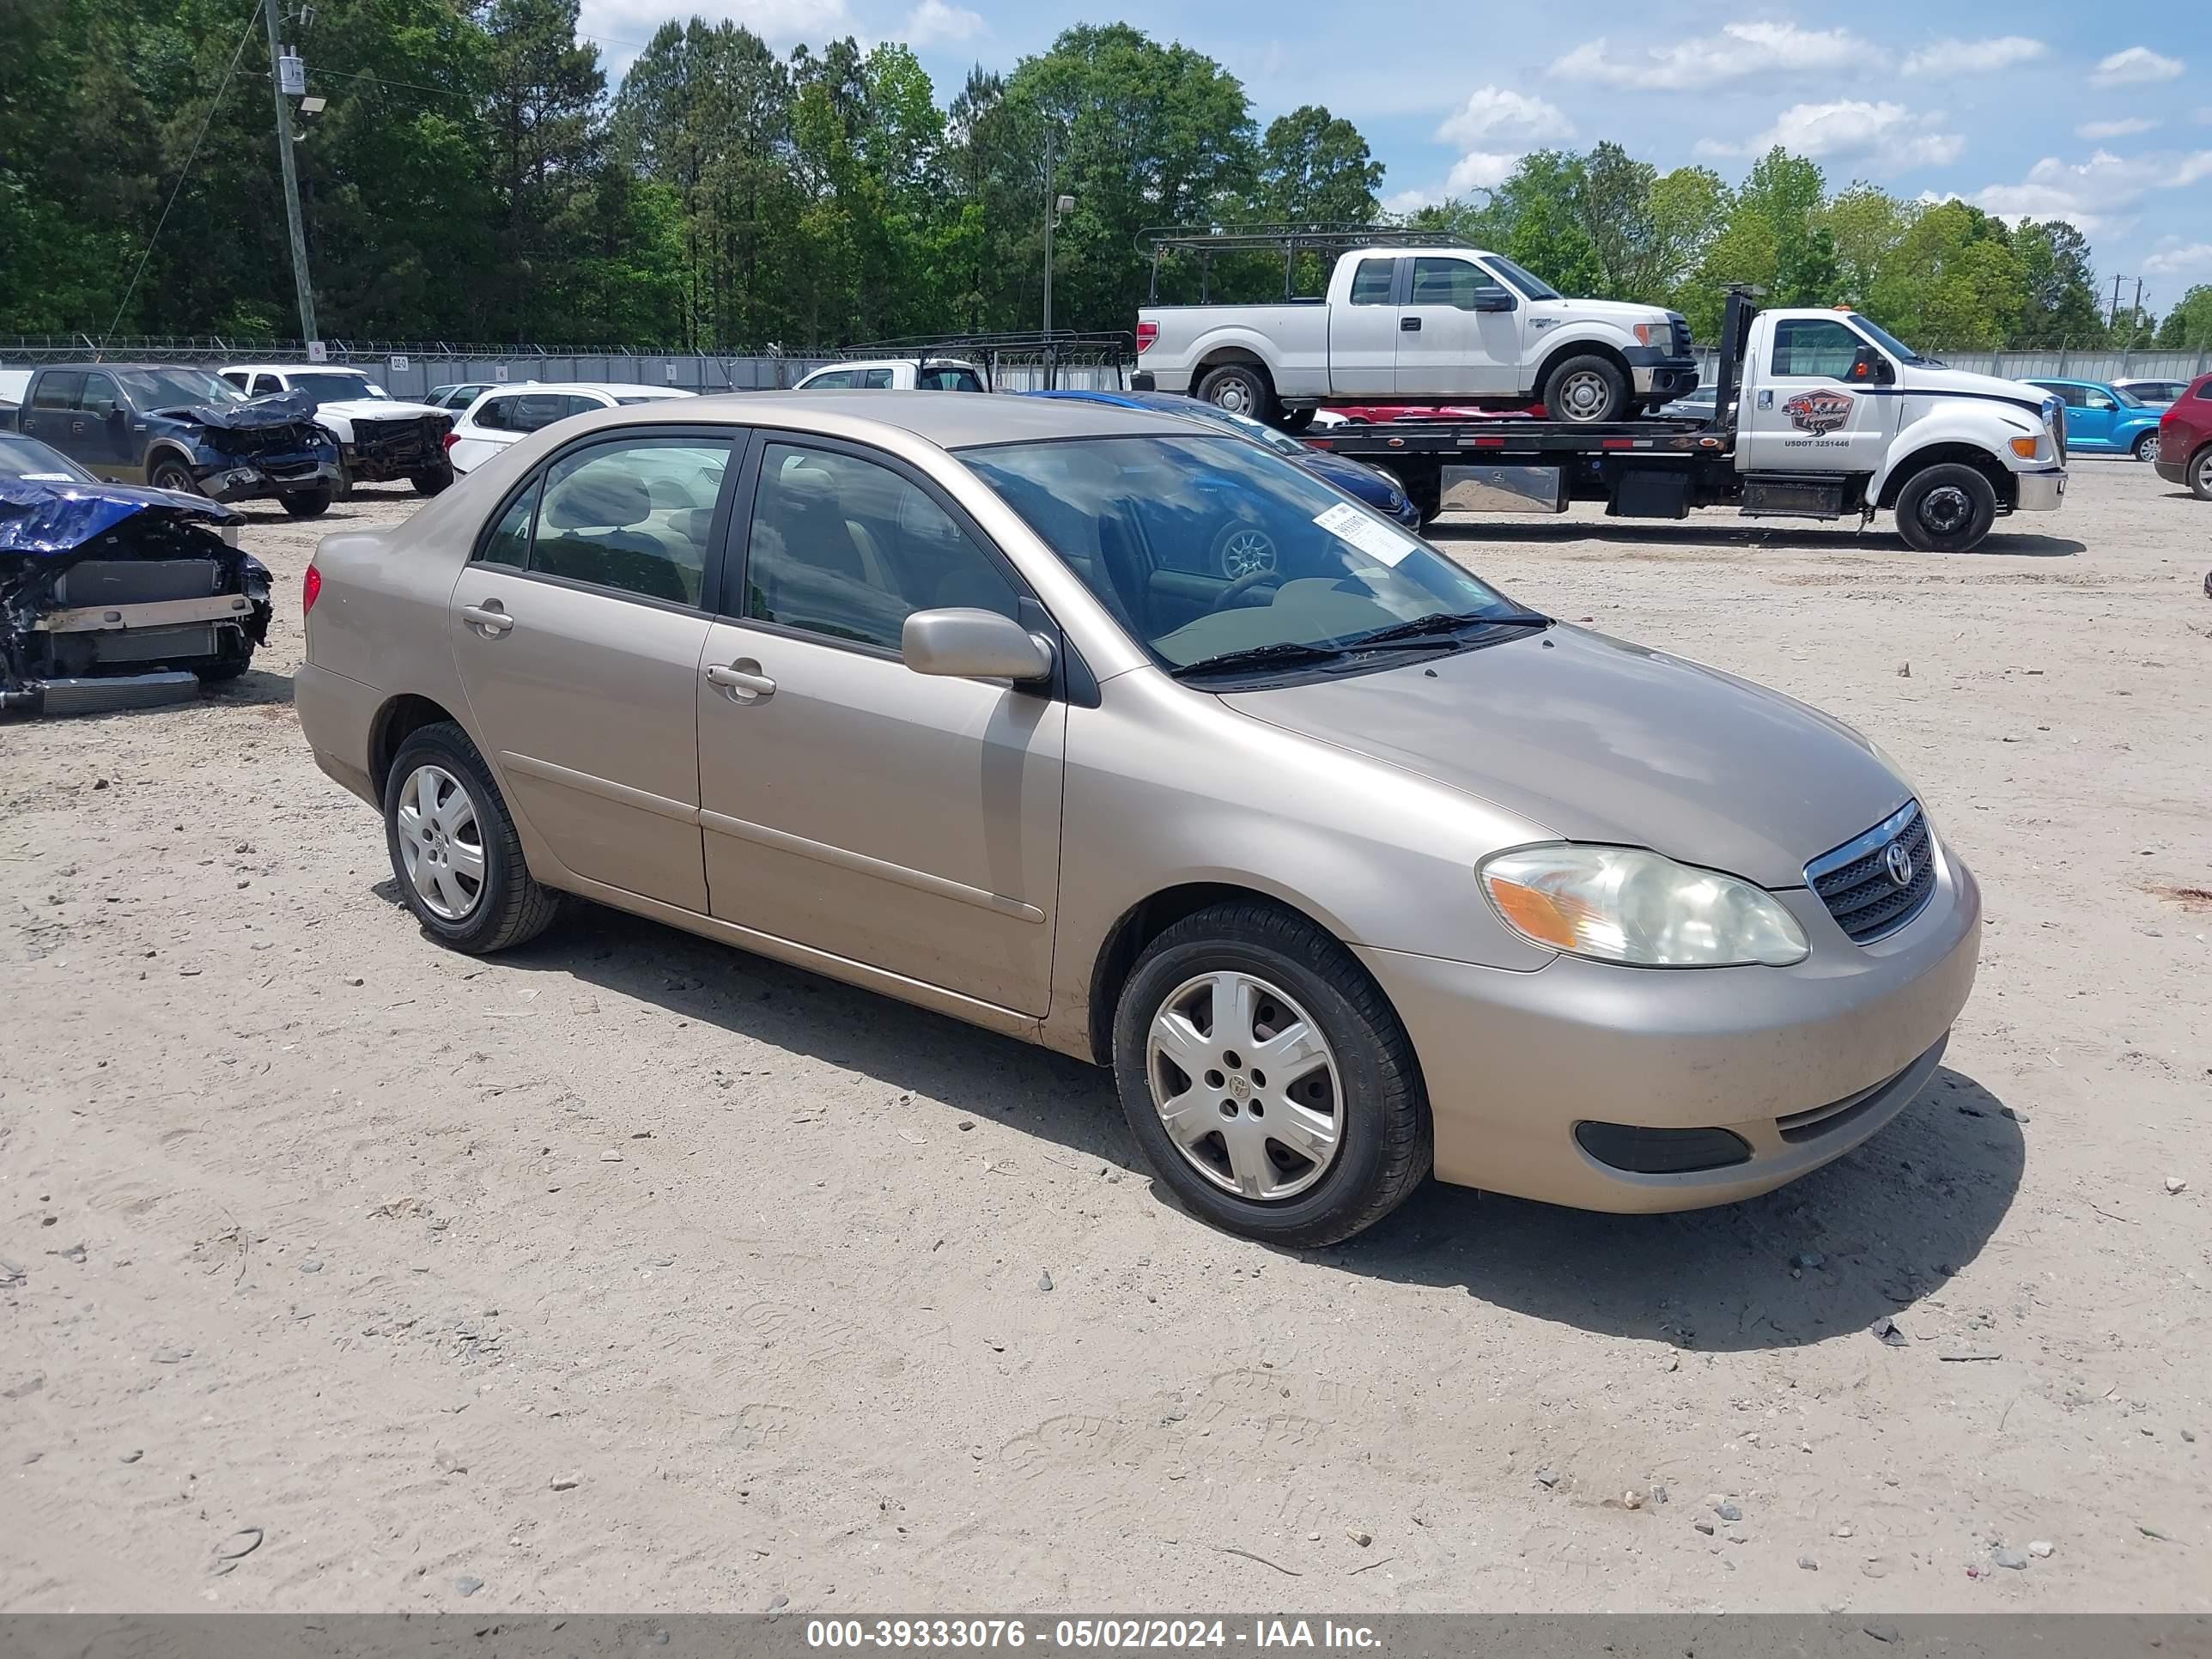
(1371, 537)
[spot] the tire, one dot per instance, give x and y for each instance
(506, 906)
(434, 481)
(237, 657)
(1295, 421)
(342, 491)
(2146, 449)
(307, 503)
(1241, 388)
(2200, 473)
(1946, 508)
(170, 473)
(1241, 547)
(1585, 390)
(1381, 1142)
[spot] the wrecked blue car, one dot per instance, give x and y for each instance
(113, 596)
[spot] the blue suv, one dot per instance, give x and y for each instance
(2106, 420)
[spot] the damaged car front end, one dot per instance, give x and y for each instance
(253, 450)
(112, 596)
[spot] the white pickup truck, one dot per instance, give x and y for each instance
(1417, 325)
(1816, 414)
(379, 437)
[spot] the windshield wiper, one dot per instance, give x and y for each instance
(1424, 630)
(1283, 653)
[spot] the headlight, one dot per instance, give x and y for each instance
(1625, 904)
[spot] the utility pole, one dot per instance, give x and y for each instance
(2113, 321)
(307, 292)
(1049, 217)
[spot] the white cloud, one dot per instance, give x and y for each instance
(1408, 201)
(1495, 110)
(782, 23)
(1954, 56)
(2125, 129)
(1480, 169)
(2088, 194)
(1738, 52)
(935, 23)
(2174, 260)
(2136, 66)
(1886, 134)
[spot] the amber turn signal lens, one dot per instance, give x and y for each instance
(2024, 448)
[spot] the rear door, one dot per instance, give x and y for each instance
(1445, 346)
(1805, 416)
(1363, 330)
(577, 628)
(51, 408)
(907, 822)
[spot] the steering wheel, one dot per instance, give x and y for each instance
(1241, 586)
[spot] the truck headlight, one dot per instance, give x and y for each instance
(1625, 904)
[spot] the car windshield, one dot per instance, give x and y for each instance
(1888, 342)
(1211, 550)
(27, 458)
(1242, 425)
(1531, 285)
(175, 388)
(336, 388)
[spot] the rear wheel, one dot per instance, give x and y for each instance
(2147, 446)
(307, 503)
(454, 849)
(2200, 474)
(1267, 1078)
(1585, 390)
(1946, 509)
(1240, 388)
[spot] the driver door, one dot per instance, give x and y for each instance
(1807, 415)
(1445, 346)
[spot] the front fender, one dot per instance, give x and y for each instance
(337, 426)
(1985, 428)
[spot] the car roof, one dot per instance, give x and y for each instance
(612, 388)
(893, 363)
(286, 368)
(946, 420)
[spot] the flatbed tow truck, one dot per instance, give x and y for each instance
(1819, 415)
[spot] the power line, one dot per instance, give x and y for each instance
(206, 121)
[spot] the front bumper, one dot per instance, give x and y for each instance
(1652, 373)
(1801, 1064)
(232, 480)
(2040, 492)
(399, 454)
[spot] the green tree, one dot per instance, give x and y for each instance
(2059, 290)
(2188, 327)
(1315, 167)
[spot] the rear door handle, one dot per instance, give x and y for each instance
(1410, 325)
(488, 617)
(741, 681)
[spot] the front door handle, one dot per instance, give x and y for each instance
(1410, 325)
(487, 618)
(741, 681)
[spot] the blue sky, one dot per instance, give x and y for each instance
(2101, 114)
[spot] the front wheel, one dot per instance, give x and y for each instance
(169, 473)
(1585, 390)
(1947, 509)
(454, 849)
(1295, 421)
(432, 480)
(2147, 447)
(1240, 388)
(307, 503)
(1267, 1078)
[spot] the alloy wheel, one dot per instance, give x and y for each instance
(1243, 552)
(440, 842)
(1246, 1086)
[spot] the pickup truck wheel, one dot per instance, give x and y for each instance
(307, 503)
(1296, 420)
(1946, 509)
(2147, 447)
(1585, 390)
(1239, 388)
(1267, 1079)
(433, 480)
(343, 492)
(173, 474)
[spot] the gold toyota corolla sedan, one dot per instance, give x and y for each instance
(1348, 865)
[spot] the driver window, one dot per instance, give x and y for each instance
(2098, 400)
(1814, 348)
(98, 389)
(1446, 282)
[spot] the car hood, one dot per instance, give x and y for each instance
(377, 409)
(1599, 741)
(1618, 310)
(1348, 475)
(42, 519)
(1936, 381)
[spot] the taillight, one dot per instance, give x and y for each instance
(311, 589)
(1146, 333)
(451, 437)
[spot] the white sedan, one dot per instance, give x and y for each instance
(506, 414)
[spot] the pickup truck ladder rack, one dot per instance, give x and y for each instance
(1288, 239)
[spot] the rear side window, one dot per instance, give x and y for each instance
(875, 379)
(509, 541)
(837, 380)
(529, 410)
(1372, 281)
(491, 413)
(265, 384)
(850, 549)
(238, 380)
(635, 515)
(2204, 391)
(949, 379)
(1813, 347)
(58, 390)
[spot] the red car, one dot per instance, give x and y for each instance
(2184, 440)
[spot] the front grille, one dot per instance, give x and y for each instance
(2058, 429)
(1682, 335)
(1858, 885)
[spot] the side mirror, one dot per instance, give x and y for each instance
(1869, 368)
(1491, 297)
(108, 409)
(976, 645)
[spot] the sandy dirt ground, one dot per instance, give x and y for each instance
(627, 1271)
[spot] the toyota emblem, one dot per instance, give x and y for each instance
(1898, 862)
